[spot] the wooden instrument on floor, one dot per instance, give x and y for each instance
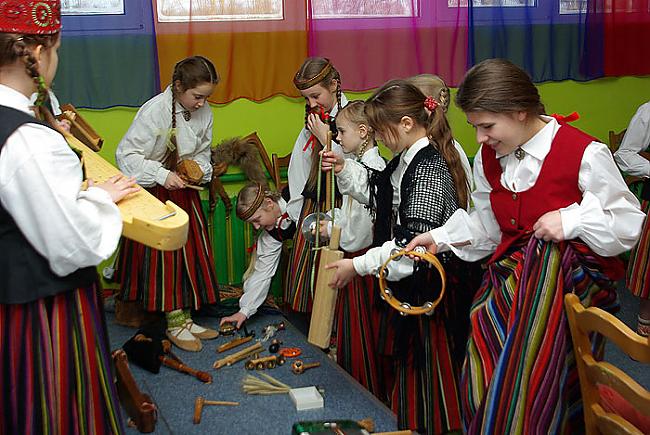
(322, 314)
(178, 365)
(140, 408)
(145, 218)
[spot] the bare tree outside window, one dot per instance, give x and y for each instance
(360, 9)
(92, 7)
(493, 3)
(219, 10)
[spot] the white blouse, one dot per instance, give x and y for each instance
(637, 138)
(300, 166)
(607, 219)
(353, 217)
(267, 258)
(40, 178)
(143, 147)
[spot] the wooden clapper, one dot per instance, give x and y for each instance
(145, 218)
(322, 315)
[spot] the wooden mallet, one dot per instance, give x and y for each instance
(200, 401)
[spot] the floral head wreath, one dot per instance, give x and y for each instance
(430, 103)
(41, 17)
(302, 83)
(259, 198)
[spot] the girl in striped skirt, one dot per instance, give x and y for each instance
(631, 160)
(418, 190)
(552, 210)
(54, 351)
(357, 319)
(320, 83)
(172, 131)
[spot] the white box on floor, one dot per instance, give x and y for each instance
(306, 398)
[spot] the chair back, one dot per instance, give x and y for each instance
(280, 163)
(613, 402)
(254, 139)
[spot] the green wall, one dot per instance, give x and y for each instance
(603, 104)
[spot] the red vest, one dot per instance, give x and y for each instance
(556, 187)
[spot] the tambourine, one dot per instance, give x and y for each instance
(404, 308)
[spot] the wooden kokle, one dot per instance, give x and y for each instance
(145, 218)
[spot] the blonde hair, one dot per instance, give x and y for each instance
(251, 197)
(432, 86)
(355, 113)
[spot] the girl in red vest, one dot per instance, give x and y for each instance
(552, 212)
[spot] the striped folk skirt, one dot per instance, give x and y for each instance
(170, 280)
(56, 367)
(357, 325)
(519, 375)
(303, 263)
(638, 269)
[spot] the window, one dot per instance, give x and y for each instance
(224, 10)
(493, 3)
(364, 9)
(92, 7)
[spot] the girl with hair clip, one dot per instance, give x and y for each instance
(552, 211)
(356, 317)
(167, 150)
(418, 190)
(320, 83)
(54, 349)
(265, 210)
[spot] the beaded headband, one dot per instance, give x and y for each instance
(250, 211)
(303, 84)
(42, 17)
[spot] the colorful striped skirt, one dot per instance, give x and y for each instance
(56, 369)
(170, 280)
(303, 263)
(357, 324)
(638, 269)
(519, 375)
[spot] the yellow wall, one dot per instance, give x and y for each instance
(603, 104)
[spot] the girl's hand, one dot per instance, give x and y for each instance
(332, 160)
(174, 182)
(238, 319)
(118, 186)
(549, 227)
(425, 240)
(344, 272)
(318, 128)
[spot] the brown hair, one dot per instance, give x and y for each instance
(498, 86)
(399, 98)
(317, 71)
(14, 47)
(432, 86)
(249, 195)
(189, 73)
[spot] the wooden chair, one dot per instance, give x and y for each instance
(280, 163)
(615, 140)
(254, 139)
(602, 382)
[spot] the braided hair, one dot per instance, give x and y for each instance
(14, 47)
(188, 73)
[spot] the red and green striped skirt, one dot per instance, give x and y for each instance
(171, 280)
(357, 326)
(303, 262)
(638, 269)
(56, 369)
(519, 375)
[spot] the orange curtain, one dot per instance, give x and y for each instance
(255, 59)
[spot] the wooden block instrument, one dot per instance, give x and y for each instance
(238, 356)
(80, 129)
(322, 315)
(145, 218)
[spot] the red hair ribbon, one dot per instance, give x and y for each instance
(325, 117)
(430, 103)
(564, 119)
(252, 248)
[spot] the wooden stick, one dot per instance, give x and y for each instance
(237, 356)
(234, 343)
(192, 186)
(177, 365)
